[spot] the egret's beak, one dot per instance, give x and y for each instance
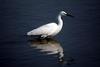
(70, 15)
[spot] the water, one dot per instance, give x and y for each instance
(77, 45)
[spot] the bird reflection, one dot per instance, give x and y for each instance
(49, 46)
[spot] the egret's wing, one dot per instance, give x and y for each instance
(45, 29)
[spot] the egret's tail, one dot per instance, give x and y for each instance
(32, 33)
(29, 33)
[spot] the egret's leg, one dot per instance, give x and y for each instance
(43, 36)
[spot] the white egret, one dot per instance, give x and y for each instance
(50, 29)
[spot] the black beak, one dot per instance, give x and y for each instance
(70, 15)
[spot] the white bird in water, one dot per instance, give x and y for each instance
(50, 29)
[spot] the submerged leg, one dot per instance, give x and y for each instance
(43, 36)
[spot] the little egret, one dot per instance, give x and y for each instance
(50, 29)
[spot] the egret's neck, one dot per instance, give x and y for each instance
(60, 22)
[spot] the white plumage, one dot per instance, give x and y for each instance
(47, 29)
(50, 29)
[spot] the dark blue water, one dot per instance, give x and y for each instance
(79, 40)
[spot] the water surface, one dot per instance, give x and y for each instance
(77, 45)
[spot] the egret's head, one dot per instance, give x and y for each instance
(63, 13)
